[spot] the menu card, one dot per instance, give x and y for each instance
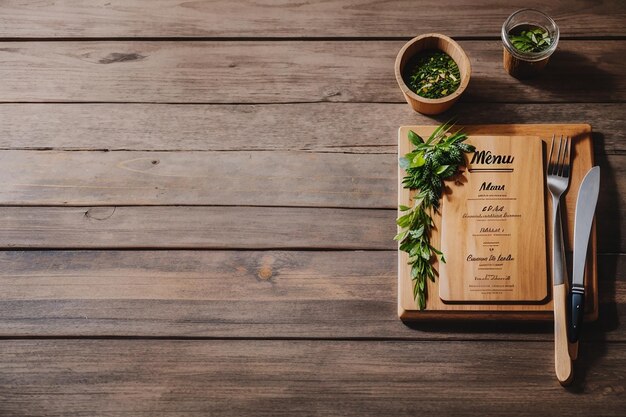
(493, 224)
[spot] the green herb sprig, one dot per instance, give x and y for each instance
(432, 161)
(433, 74)
(532, 40)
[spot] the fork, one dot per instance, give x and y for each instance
(558, 181)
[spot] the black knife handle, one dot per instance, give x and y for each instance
(577, 312)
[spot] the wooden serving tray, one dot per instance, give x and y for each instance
(582, 161)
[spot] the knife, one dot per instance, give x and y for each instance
(585, 209)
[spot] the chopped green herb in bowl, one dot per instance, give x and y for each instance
(433, 74)
(433, 71)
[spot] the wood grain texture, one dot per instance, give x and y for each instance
(281, 378)
(465, 210)
(319, 127)
(195, 227)
(562, 362)
(221, 227)
(260, 294)
(285, 72)
(280, 18)
(219, 178)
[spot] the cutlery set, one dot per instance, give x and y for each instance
(569, 307)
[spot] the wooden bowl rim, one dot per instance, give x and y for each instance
(465, 77)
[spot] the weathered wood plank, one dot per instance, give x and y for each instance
(227, 227)
(402, 18)
(321, 127)
(196, 227)
(312, 294)
(278, 178)
(218, 178)
(281, 378)
(263, 72)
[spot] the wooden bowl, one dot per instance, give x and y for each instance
(444, 44)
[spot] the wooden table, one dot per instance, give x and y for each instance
(197, 205)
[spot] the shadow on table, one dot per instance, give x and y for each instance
(569, 72)
(569, 77)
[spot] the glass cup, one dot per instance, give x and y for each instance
(527, 64)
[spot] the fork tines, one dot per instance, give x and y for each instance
(559, 163)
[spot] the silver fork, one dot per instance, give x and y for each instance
(558, 181)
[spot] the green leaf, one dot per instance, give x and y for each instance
(439, 131)
(418, 201)
(404, 221)
(442, 169)
(533, 40)
(418, 161)
(415, 138)
(400, 235)
(416, 234)
(431, 274)
(421, 300)
(404, 208)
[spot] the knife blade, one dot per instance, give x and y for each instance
(585, 209)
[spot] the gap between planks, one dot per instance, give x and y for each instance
(212, 227)
(338, 18)
(282, 39)
(105, 337)
(348, 128)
